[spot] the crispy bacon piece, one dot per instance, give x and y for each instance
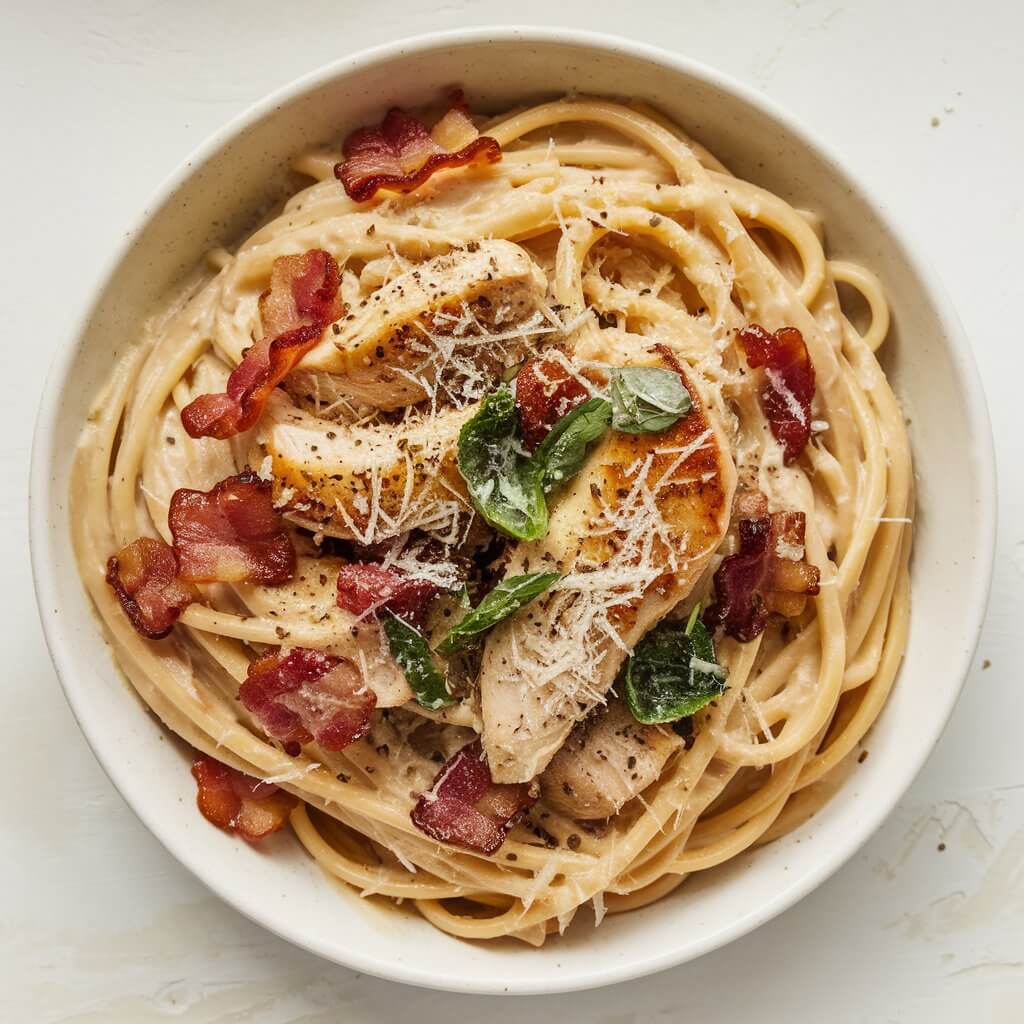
(144, 575)
(465, 808)
(789, 383)
(308, 695)
(768, 574)
(545, 392)
(364, 587)
(231, 533)
(237, 802)
(401, 154)
(295, 310)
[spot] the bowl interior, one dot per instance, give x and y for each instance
(932, 374)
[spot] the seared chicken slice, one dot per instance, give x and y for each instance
(607, 760)
(364, 483)
(454, 321)
(307, 611)
(631, 534)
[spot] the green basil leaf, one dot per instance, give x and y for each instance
(410, 650)
(703, 643)
(505, 487)
(563, 452)
(646, 399)
(672, 673)
(504, 600)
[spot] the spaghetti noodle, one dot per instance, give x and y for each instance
(625, 237)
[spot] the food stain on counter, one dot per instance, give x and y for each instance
(951, 823)
(986, 867)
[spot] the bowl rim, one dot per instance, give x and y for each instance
(42, 498)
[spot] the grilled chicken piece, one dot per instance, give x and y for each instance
(631, 534)
(607, 760)
(307, 610)
(454, 316)
(364, 483)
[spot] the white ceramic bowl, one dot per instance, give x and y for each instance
(931, 369)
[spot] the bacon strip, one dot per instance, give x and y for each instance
(401, 154)
(308, 695)
(300, 303)
(364, 587)
(768, 574)
(464, 807)
(230, 533)
(789, 383)
(237, 802)
(144, 575)
(545, 392)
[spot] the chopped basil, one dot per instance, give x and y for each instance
(504, 485)
(507, 486)
(673, 672)
(410, 650)
(563, 452)
(504, 600)
(646, 399)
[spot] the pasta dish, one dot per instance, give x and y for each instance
(520, 515)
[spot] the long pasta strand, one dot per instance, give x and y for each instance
(630, 196)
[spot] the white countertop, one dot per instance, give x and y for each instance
(101, 98)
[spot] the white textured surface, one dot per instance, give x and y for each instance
(101, 99)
